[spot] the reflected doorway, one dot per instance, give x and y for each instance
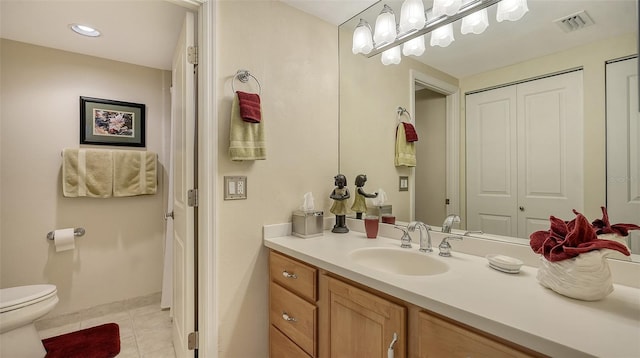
(430, 171)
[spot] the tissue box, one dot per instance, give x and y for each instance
(307, 224)
(379, 210)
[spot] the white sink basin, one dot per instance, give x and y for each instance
(398, 261)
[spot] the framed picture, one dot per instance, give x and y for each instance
(107, 122)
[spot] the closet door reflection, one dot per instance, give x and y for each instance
(524, 155)
(623, 147)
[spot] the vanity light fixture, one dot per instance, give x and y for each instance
(412, 16)
(84, 30)
(475, 23)
(391, 56)
(362, 41)
(443, 35)
(385, 31)
(511, 10)
(414, 47)
(446, 7)
(475, 10)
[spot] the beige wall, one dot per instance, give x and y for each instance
(293, 55)
(121, 254)
(592, 58)
(370, 94)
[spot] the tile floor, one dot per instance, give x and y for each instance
(145, 329)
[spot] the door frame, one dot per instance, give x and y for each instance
(452, 154)
(207, 175)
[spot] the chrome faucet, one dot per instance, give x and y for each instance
(445, 247)
(448, 223)
(425, 242)
(405, 240)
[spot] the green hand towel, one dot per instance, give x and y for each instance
(246, 140)
(405, 151)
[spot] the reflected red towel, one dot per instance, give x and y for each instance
(602, 226)
(410, 132)
(249, 107)
(565, 240)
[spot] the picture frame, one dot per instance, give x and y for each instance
(109, 122)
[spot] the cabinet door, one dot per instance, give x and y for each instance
(440, 338)
(362, 324)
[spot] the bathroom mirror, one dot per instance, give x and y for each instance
(507, 52)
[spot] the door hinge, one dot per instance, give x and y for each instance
(192, 55)
(192, 197)
(192, 340)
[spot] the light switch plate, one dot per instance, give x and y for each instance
(235, 187)
(403, 184)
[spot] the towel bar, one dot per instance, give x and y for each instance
(79, 231)
(243, 76)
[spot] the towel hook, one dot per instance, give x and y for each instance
(401, 111)
(243, 76)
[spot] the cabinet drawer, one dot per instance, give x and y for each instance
(441, 338)
(281, 347)
(294, 275)
(294, 317)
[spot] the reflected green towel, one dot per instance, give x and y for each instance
(405, 151)
(246, 140)
(87, 173)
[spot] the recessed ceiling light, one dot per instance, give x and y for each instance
(85, 30)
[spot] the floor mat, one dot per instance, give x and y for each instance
(95, 342)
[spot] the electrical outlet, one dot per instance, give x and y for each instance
(235, 187)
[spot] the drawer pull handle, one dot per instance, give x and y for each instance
(289, 275)
(287, 318)
(390, 352)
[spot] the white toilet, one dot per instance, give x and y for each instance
(19, 308)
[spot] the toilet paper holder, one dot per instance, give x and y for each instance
(79, 231)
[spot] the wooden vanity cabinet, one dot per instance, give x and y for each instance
(362, 324)
(293, 313)
(440, 337)
(317, 314)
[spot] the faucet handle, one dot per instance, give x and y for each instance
(405, 240)
(445, 247)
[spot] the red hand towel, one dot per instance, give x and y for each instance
(410, 132)
(249, 107)
(565, 240)
(602, 226)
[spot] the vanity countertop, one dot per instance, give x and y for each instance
(512, 306)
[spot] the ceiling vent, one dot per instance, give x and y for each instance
(574, 22)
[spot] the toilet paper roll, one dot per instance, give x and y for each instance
(64, 239)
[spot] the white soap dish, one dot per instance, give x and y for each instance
(504, 263)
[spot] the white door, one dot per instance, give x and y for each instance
(550, 151)
(623, 147)
(524, 155)
(492, 178)
(183, 126)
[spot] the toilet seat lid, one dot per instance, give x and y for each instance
(16, 297)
